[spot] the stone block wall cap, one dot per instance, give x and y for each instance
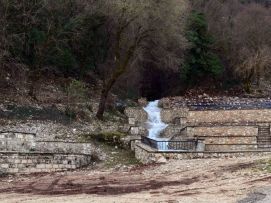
(18, 132)
(43, 153)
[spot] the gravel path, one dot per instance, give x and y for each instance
(209, 180)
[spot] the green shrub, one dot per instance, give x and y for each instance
(201, 61)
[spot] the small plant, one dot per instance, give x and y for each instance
(3, 174)
(95, 156)
(77, 91)
(110, 138)
(268, 166)
(70, 113)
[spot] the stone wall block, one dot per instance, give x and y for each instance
(134, 130)
(237, 116)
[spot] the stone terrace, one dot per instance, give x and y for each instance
(24, 153)
(231, 126)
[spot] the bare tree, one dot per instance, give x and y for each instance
(134, 25)
(242, 32)
(252, 33)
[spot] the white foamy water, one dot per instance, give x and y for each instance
(155, 124)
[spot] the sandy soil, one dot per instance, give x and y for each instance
(209, 180)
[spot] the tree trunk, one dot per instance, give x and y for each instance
(102, 103)
(258, 78)
(247, 86)
(120, 69)
(247, 82)
(33, 83)
(106, 89)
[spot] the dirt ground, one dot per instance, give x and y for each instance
(188, 181)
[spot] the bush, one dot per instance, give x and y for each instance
(110, 138)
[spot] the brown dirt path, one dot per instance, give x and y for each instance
(209, 180)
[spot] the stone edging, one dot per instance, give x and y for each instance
(43, 153)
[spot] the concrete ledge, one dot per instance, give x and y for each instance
(60, 141)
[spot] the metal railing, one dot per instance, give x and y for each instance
(168, 145)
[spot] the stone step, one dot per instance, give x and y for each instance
(264, 146)
(263, 138)
(264, 143)
(264, 134)
(264, 128)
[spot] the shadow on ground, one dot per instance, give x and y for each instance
(113, 184)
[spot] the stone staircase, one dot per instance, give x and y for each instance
(264, 137)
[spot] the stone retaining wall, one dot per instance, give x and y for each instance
(16, 141)
(227, 140)
(136, 115)
(21, 152)
(221, 138)
(222, 131)
(64, 147)
(223, 116)
(171, 115)
(13, 162)
(171, 131)
(180, 117)
(26, 142)
(230, 147)
(147, 155)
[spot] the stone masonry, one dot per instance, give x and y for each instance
(226, 116)
(30, 162)
(222, 131)
(147, 155)
(22, 153)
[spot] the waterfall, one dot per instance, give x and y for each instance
(154, 124)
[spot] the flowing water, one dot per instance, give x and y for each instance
(154, 124)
